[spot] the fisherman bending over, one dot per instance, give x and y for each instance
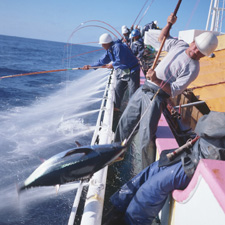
(171, 77)
(125, 64)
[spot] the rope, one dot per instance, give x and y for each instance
(206, 85)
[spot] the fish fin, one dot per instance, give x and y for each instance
(78, 144)
(82, 150)
(57, 186)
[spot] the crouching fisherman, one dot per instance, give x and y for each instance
(140, 200)
(125, 64)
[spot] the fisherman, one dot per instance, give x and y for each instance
(139, 201)
(125, 64)
(170, 78)
(126, 35)
(137, 44)
(148, 26)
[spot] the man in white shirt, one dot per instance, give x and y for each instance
(170, 78)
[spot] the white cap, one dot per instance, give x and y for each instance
(155, 22)
(206, 43)
(105, 39)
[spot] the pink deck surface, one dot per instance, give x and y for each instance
(213, 171)
(165, 139)
(142, 77)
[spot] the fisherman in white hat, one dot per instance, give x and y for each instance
(126, 34)
(171, 77)
(118, 56)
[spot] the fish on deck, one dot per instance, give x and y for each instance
(74, 164)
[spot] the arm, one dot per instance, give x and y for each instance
(165, 31)
(101, 62)
(152, 75)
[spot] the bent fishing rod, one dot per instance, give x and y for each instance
(49, 71)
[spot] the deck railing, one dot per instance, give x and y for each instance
(93, 208)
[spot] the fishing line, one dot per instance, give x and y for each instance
(192, 14)
(100, 21)
(82, 27)
(140, 12)
(145, 12)
(88, 21)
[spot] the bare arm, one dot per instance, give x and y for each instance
(165, 87)
(165, 31)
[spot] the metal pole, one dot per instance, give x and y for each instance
(188, 104)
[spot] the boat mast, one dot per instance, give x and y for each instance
(215, 15)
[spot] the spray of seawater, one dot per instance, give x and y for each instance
(48, 126)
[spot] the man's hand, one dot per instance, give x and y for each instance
(165, 86)
(151, 75)
(172, 19)
(86, 67)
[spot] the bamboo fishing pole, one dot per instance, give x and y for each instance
(163, 42)
(47, 71)
(164, 38)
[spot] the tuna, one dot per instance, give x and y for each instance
(74, 164)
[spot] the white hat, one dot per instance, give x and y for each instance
(206, 43)
(105, 39)
(124, 30)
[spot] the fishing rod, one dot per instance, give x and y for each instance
(48, 71)
(161, 46)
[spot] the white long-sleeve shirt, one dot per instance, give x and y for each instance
(177, 68)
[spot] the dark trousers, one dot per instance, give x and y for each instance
(143, 197)
(142, 108)
(131, 83)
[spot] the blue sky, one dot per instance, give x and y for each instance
(56, 19)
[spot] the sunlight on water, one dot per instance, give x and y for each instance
(47, 127)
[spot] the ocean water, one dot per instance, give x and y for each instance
(42, 115)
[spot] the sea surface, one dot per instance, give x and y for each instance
(42, 115)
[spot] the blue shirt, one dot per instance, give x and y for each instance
(121, 57)
(138, 48)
